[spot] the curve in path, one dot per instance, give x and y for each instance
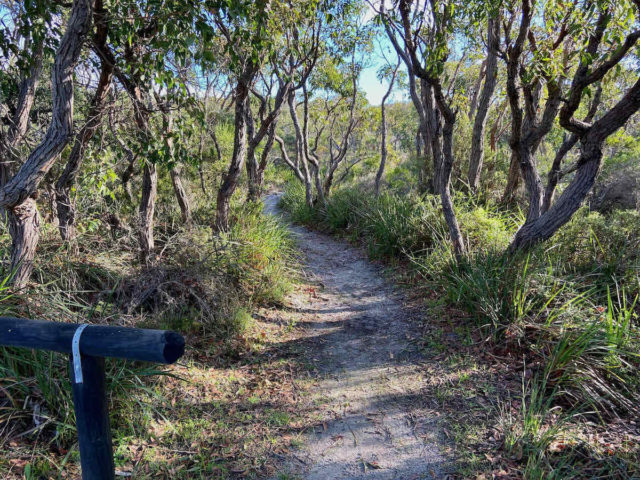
(360, 339)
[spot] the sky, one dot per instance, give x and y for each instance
(369, 83)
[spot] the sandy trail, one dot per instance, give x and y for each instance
(360, 338)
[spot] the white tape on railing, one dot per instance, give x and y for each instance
(75, 352)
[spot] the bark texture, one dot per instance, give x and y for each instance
(476, 158)
(556, 173)
(181, 195)
(592, 135)
(66, 210)
(266, 128)
(20, 119)
(230, 181)
(24, 229)
(147, 210)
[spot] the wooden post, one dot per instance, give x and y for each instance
(92, 419)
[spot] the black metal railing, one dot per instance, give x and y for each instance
(88, 346)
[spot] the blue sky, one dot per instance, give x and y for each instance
(369, 83)
(374, 90)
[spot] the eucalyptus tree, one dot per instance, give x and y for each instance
(17, 195)
(347, 54)
(307, 39)
(27, 39)
(604, 39)
(337, 42)
(389, 72)
(296, 55)
(66, 210)
(423, 35)
(478, 111)
(294, 60)
(170, 152)
(150, 41)
(247, 29)
(528, 73)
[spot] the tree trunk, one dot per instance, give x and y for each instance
(328, 180)
(230, 182)
(174, 172)
(310, 168)
(592, 141)
(20, 120)
(181, 195)
(445, 193)
(533, 183)
(433, 124)
(561, 212)
(255, 169)
(146, 211)
(254, 179)
(513, 181)
(491, 79)
(473, 105)
(24, 229)
(383, 147)
(555, 172)
(65, 205)
(383, 132)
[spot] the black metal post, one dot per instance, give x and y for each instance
(89, 344)
(92, 419)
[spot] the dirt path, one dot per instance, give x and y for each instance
(360, 339)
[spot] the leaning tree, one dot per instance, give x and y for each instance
(608, 34)
(17, 195)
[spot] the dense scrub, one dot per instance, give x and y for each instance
(142, 133)
(564, 316)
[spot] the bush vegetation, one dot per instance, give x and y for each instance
(203, 286)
